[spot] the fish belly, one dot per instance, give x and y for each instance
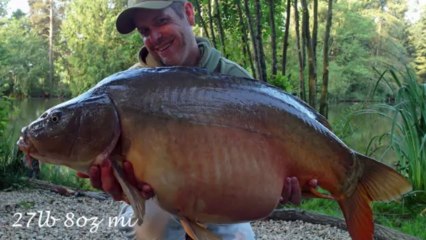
(211, 174)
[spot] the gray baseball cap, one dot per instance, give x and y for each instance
(125, 22)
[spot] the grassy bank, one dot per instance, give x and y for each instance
(407, 216)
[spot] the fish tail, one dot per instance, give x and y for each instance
(378, 182)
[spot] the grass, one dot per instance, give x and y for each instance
(11, 167)
(63, 176)
(409, 218)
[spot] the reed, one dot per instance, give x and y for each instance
(407, 113)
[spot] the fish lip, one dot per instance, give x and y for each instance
(25, 145)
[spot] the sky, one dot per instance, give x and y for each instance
(413, 13)
(18, 4)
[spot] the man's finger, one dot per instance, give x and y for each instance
(95, 177)
(286, 192)
(313, 183)
(109, 183)
(146, 190)
(296, 193)
(130, 175)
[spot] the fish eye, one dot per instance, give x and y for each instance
(55, 117)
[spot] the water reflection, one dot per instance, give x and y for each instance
(365, 133)
(25, 111)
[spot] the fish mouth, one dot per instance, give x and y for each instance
(26, 146)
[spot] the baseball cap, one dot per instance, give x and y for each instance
(125, 22)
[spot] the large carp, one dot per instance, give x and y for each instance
(214, 148)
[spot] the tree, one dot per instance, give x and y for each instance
(219, 25)
(211, 25)
(311, 54)
(418, 50)
(286, 34)
(45, 17)
(200, 18)
(273, 37)
(325, 73)
(23, 65)
(246, 47)
(91, 46)
(259, 40)
(300, 55)
(3, 7)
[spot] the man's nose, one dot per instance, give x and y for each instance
(155, 36)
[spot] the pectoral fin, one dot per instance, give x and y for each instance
(196, 231)
(132, 194)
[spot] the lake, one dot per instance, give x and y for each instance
(356, 133)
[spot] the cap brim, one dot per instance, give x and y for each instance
(125, 24)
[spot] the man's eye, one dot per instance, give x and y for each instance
(143, 31)
(162, 21)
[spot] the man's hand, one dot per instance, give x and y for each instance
(292, 192)
(102, 177)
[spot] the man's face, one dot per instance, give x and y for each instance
(169, 37)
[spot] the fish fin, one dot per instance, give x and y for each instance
(382, 182)
(197, 231)
(358, 214)
(132, 194)
(378, 182)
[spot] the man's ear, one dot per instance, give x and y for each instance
(189, 12)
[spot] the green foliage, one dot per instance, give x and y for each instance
(63, 176)
(363, 39)
(418, 46)
(409, 128)
(281, 81)
(88, 48)
(23, 65)
(91, 47)
(408, 124)
(3, 7)
(11, 168)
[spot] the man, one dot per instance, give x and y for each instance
(166, 29)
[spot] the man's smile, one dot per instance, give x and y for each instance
(164, 47)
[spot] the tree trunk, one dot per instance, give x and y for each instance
(203, 23)
(259, 44)
(219, 24)
(246, 46)
(286, 34)
(253, 39)
(324, 90)
(302, 93)
(315, 33)
(311, 63)
(213, 38)
(50, 82)
(273, 37)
